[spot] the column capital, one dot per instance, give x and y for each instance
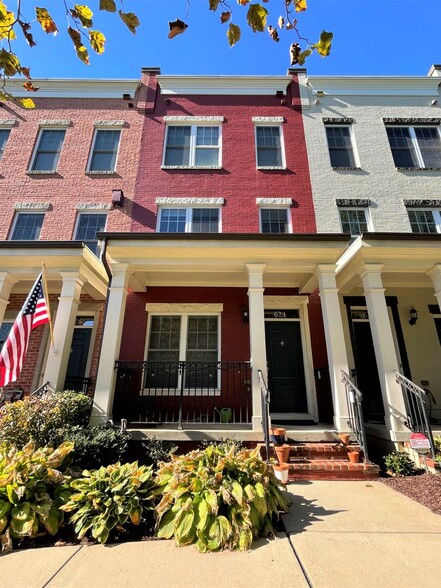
(434, 272)
(371, 277)
(255, 275)
(326, 278)
(120, 276)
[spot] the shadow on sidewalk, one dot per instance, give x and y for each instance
(303, 512)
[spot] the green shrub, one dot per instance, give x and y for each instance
(218, 498)
(97, 446)
(43, 420)
(223, 443)
(32, 488)
(399, 463)
(157, 450)
(110, 497)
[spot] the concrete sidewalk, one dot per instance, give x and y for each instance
(345, 534)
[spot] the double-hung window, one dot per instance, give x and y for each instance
(104, 151)
(27, 226)
(354, 221)
(274, 220)
(47, 152)
(4, 136)
(424, 220)
(192, 146)
(416, 147)
(341, 151)
(189, 220)
(269, 147)
(88, 225)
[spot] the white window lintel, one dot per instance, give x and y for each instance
(190, 201)
(276, 202)
(7, 123)
(61, 123)
(93, 206)
(110, 123)
(193, 119)
(183, 308)
(268, 120)
(37, 206)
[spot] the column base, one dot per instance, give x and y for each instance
(257, 423)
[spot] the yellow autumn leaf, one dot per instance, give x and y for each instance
(323, 47)
(27, 103)
(9, 63)
(233, 34)
(108, 5)
(130, 20)
(82, 54)
(7, 19)
(45, 19)
(84, 14)
(97, 40)
(300, 5)
(256, 17)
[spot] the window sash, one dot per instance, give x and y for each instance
(415, 147)
(4, 136)
(269, 146)
(340, 146)
(105, 150)
(424, 220)
(47, 154)
(88, 225)
(274, 220)
(192, 146)
(189, 220)
(353, 221)
(27, 226)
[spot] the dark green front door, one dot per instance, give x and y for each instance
(286, 372)
(79, 353)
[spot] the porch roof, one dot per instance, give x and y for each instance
(22, 261)
(404, 259)
(220, 259)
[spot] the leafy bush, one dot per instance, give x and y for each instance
(218, 498)
(399, 463)
(97, 446)
(110, 497)
(157, 450)
(43, 420)
(224, 443)
(32, 488)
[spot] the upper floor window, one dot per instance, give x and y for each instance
(269, 147)
(274, 220)
(27, 226)
(88, 225)
(354, 221)
(47, 153)
(4, 135)
(189, 220)
(415, 147)
(104, 151)
(425, 221)
(340, 146)
(192, 146)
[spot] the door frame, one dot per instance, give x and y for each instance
(299, 303)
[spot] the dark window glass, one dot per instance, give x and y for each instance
(105, 150)
(274, 220)
(340, 146)
(269, 152)
(430, 146)
(177, 151)
(353, 222)
(4, 135)
(48, 150)
(205, 220)
(403, 150)
(88, 226)
(422, 221)
(27, 227)
(173, 220)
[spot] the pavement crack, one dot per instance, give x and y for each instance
(62, 566)
(296, 555)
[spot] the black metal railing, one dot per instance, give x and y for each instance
(354, 400)
(265, 399)
(415, 402)
(77, 384)
(182, 392)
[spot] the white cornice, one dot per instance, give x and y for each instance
(374, 86)
(224, 85)
(71, 88)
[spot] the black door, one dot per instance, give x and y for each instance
(367, 372)
(286, 374)
(79, 353)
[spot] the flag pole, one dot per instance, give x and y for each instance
(46, 297)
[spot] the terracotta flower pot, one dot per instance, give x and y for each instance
(344, 438)
(282, 452)
(354, 456)
(282, 472)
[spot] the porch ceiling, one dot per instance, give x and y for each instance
(23, 261)
(404, 259)
(221, 260)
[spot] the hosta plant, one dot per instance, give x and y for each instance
(218, 498)
(110, 497)
(32, 488)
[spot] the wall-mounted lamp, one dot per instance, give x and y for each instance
(413, 316)
(245, 316)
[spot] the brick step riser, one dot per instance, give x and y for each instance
(319, 456)
(316, 475)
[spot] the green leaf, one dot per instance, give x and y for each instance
(237, 492)
(9, 63)
(53, 520)
(166, 526)
(185, 531)
(108, 5)
(97, 40)
(130, 20)
(233, 34)
(245, 539)
(303, 55)
(256, 17)
(323, 47)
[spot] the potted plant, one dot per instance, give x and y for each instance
(281, 472)
(354, 456)
(344, 438)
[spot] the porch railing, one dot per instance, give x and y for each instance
(182, 392)
(77, 384)
(265, 398)
(415, 402)
(355, 411)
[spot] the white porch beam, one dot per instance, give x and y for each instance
(385, 354)
(257, 337)
(111, 342)
(6, 284)
(335, 342)
(64, 325)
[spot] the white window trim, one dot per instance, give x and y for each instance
(288, 216)
(193, 124)
(184, 311)
(282, 145)
(104, 126)
(188, 218)
(415, 144)
(44, 127)
(353, 145)
(436, 217)
(14, 223)
(367, 215)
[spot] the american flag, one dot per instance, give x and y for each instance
(33, 314)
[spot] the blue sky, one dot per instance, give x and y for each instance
(371, 37)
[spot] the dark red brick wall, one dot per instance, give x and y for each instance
(238, 182)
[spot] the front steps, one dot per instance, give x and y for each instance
(327, 461)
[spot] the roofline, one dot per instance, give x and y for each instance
(41, 245)
(401, 236)
(333, 237)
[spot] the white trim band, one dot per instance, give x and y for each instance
(273, 202)
(192, 201)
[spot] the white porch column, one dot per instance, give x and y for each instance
(6, 283)
(58, 356)
(111, 342)
(387, 363)
(435, 275)
(335, 342)
(257, 337)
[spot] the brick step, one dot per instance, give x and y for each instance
(318, 451)
(332, 469)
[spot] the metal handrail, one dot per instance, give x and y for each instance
(414, 400)
(265, 399)
(46, 387)
(355, 418)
